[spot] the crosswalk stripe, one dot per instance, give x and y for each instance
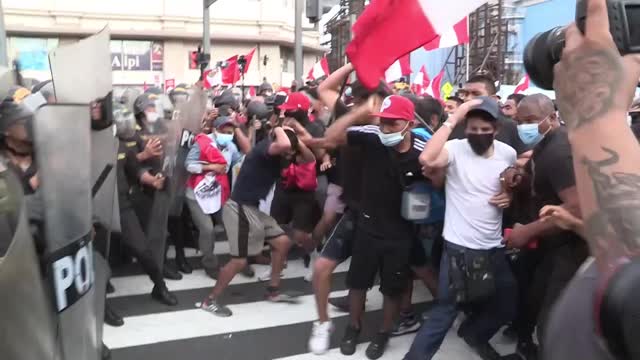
(186, 324)
(141, 284)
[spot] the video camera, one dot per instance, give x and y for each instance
(544, 50)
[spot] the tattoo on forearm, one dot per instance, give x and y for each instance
(617, 196)
(589, 86)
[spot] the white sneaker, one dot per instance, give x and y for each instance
(266, 275)
(320, 337)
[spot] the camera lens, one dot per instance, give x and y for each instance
(541, 54)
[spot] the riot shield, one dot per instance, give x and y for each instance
(62, 140)
(167, 130)
(189, 116)
(28, 328)
(81, 74)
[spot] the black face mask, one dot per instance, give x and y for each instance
(480, 143)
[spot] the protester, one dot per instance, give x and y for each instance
(201, 160)
(452, 104)
(247, 227)
(510, 107)
(472, 231)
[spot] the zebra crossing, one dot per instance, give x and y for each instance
(258, 330)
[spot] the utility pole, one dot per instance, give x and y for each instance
(205, 56)
(298, 42)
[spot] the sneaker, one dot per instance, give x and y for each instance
(349, 340)
(342, 303)
(320, 337)
(378, 345)
(217, 309)
(406, 325)
(248, 271)
(484, 350)
(282, 297)
(266, 275)
(527, 350)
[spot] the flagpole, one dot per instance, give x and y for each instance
(467, 47)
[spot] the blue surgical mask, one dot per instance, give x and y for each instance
(224, 139)
(392, 139)
(529, 134)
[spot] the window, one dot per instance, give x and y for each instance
(286, 55)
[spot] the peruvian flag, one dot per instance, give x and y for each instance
(434, 88)
(420, 82)
(398, 69)
(252, 91)
(320, 69)
(212, 78)
(380, 35)
(523, 85)
(456, 35)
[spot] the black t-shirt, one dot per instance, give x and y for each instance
(571, 329)
(385, 175)
(551, 167)
(258, 173)
(128, 173)
(507, 133)
(348, 170)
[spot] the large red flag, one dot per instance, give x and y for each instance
(386, 31)
(231, 74)
(249, 57)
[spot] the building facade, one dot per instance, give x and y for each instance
(152, 40)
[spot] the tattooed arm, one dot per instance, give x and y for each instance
(595, 86)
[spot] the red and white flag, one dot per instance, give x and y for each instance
(420, 82)
(434, 87)
(398, 69)
(380, 35)
(212, 78)
(320, 69)
(523, 85)
(249, 57)
(456, 35)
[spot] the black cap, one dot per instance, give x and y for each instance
(488, 106)
(257, 109)
(142, 103)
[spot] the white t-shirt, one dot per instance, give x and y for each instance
(472, 180)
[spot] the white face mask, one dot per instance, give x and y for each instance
(392, 139)
(152, 117)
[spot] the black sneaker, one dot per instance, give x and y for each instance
(527, 350)
(215, 308)
(171, 273)
(349, 340)
(212, 273)
(342, 303)
(484, 350)
(377, 346)
(406, 324)
(248, 271)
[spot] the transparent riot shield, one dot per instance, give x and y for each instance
(28, 328)
(189, 117)
(81, 72)
(62, 142)
(165, 129)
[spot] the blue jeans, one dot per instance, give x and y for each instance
(487, 318)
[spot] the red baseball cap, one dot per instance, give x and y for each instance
(396, 107)
(296, 101)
